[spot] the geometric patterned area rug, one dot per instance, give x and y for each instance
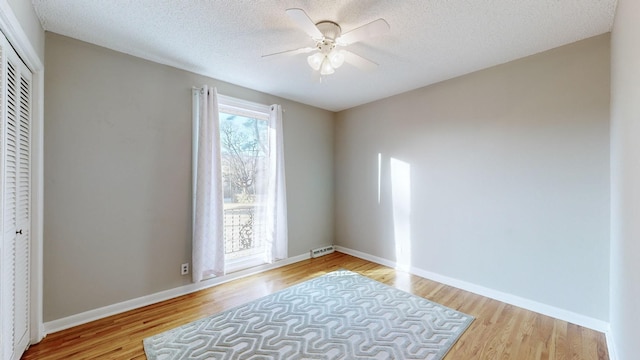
(340, 315)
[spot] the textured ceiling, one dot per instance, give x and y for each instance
(429, 40)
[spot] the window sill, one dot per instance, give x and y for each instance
(233, 265)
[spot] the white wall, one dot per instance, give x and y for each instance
(509, 177)
(625, 180)
(118, 175)
(26, 15)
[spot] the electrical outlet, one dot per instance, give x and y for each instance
(184, 269)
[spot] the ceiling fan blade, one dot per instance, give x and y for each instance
(304, 50)
(358, 61)
(374, 28)
(304, 22)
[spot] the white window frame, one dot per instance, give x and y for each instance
(235, 106)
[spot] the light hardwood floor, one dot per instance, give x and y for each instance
(500, 331)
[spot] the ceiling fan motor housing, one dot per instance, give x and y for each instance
(330, 32)
(325, 46)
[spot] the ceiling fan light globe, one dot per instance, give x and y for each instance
(336, 57)
(315, 61)
(326, 68)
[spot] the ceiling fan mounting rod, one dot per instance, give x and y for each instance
(329, 29)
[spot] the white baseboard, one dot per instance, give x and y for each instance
(565, 315)
(95, 314)
(91, 315)
(611, 345)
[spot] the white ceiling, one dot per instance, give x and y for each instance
(429, 40)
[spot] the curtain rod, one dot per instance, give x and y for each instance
(202, 89)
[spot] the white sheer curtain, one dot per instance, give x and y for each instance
(276, 202)
(208, 242)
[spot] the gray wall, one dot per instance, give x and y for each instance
(509, 177)
(625, 179)
(118, 175)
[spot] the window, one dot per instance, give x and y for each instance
(244, 152)
(239, 190)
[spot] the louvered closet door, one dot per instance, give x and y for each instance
(23, 211)
(16, 93)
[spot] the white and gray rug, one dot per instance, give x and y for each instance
(341, 315)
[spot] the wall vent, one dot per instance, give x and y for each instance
(322, 251)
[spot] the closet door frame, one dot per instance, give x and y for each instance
(15, 103)
(12, 30)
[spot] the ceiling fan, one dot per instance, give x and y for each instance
(328, 37)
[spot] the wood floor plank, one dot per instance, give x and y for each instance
(500, 331)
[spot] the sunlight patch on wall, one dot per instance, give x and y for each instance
(379, 175)
(401, 198)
